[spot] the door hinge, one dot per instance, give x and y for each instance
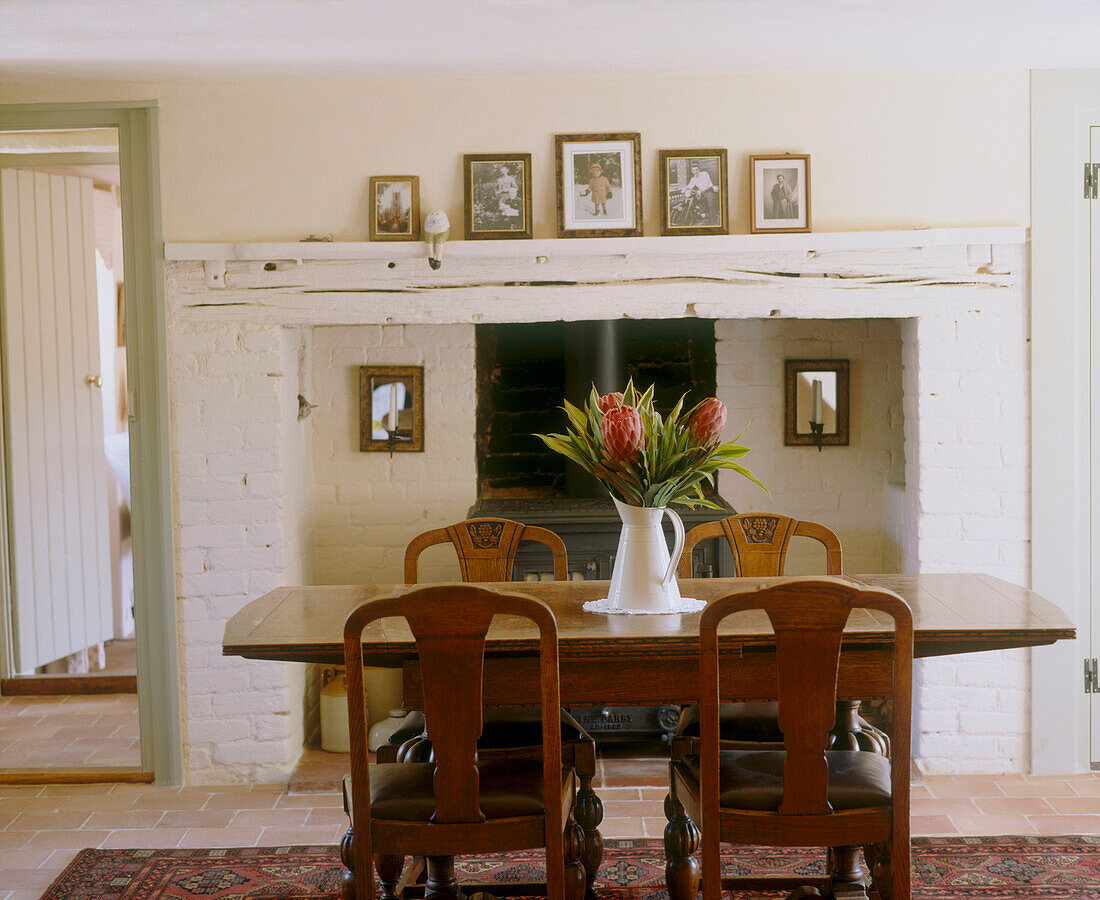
(1092, 679)
(1092, 178)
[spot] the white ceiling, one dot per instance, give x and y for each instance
(152, 39)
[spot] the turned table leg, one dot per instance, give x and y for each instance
(681, 842)
(441, 884)
(588, 811)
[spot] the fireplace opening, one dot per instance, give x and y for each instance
(524, 370)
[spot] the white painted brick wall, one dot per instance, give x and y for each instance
(368, 506)
(843, 488)
(242, 515)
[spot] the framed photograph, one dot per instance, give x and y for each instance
(498, 195)
(599, 180)
(391, 409)
(779, 187)
(816, 403)
(694, 192)
(395, 208)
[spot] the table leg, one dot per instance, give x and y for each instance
(849, 734)
(681, 843)
(389, 869)
(588, 811)
(442, 884)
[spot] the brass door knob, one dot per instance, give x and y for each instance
(94, 381)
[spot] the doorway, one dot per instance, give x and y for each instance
(71, 699)
(87, 564)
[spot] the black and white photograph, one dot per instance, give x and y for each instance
(694, 192)
(395, 208)
(497, 195)
(780, 188)
(599, 185)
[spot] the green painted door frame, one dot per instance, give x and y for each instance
(147, 373)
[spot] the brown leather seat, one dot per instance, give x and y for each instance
(405, 792)
(753, 779)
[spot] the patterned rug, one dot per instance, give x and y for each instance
(957, 868)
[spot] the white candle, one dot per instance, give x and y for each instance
(393, 406)
(815, 402)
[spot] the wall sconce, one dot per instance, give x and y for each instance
(816, 405)
(391, 409)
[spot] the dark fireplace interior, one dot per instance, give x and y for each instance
(524, 370)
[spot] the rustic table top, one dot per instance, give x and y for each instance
(952, 613)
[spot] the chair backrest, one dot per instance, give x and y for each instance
(759, 543)
(449, 624)
(809, 618)
(486, 548)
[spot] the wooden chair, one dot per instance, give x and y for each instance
(803, 794)
(458, 803)
(759, 543)
(486, 549)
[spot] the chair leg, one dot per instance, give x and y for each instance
(681, 842)
(349, 866)
(845, 872)
(441, 879)
(589, 812)
(575, 884)
(389, 869)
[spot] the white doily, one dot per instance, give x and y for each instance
(685, 605)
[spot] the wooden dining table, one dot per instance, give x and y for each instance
(653, 659)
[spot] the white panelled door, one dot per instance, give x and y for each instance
(53, 418)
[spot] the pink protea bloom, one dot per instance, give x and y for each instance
(609, 401)
(622, 432)
(708, 421)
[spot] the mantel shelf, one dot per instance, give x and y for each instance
(590, 247)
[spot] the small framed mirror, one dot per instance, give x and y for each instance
(391, 409)
(816, 403)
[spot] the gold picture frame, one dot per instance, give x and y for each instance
(497, 196)
(694, 192)
(592, 202)
(775, 204)
(394, 208)
(391, 409)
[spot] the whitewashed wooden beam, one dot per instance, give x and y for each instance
(891, 281)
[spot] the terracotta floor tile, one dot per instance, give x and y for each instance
(1087, 786)
(919, 792)
(320, 817)
(1075, 806)
(653, 826)
(640, 780)
(610, 794)
(1038, 787)
(1066, 824)
(928, 825)
(241, 800)
(197, 818)
(655, 793)
(941, 807)
(633, 808)
(24, 895)
(1014, 806)
(69, 840)
(146, 838)
(181, 800)
(329, 799)
(10, 840)
(51, 821)
(321, 834)
(982, 824)
(622, 828)
(24, 859)
(231, 836)
(947, 787)
(124, 818)
(271, 818)
(27, 879)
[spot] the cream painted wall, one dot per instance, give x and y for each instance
(249, 161)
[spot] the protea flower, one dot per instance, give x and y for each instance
(622, 432)
(609, 401)
(708, 421)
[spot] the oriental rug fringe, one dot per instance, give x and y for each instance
(944, 868)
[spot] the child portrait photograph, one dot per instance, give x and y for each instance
(599, 185)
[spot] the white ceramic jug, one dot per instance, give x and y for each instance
(644, 575)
